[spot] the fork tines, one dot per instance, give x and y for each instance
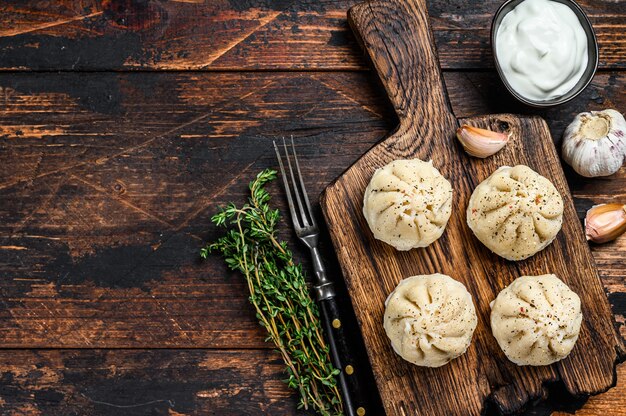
(302, 216)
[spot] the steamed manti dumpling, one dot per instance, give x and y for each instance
(536, 320)
(430, 319)
(515, 212)
(407, 204)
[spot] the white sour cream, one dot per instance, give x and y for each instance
(542, 49)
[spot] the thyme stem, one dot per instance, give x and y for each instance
(280, 295)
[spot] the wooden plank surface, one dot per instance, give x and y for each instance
(235, 35)
(173, 383)
(99, 170)
(181, 301)
(81, 206)
(142, 382)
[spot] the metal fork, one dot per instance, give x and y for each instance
(308, 232)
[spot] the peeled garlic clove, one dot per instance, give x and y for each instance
(481, 142)
(594, 143)
(605, 222)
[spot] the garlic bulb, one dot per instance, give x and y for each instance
(481, 142)
(605, 222)
(594, 144)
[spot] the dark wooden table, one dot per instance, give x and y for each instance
(125, 123)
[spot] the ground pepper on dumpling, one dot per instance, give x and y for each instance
(430, 319)
(515, 212)
(536, 320)
(407, 204)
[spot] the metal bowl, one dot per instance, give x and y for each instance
(592, 51)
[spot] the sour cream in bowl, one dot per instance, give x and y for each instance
(545, 50)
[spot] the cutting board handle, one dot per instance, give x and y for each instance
(397, 37)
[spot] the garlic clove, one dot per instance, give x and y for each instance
(594, 143)
(605, 222)
(481, 142)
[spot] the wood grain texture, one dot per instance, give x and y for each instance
(63, 286)
(89, 206)
(609, 403)
(143, 382)
(236, 35)
(108, 180)
(100, 232)
(177, 383)
(397, 39)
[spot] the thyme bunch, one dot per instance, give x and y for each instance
(279, 294)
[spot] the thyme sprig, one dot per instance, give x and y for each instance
(280, 295)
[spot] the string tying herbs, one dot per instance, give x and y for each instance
(279, 294)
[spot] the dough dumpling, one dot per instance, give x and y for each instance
(430, 319)
(536, 320)
(407, 204)
(515, 212)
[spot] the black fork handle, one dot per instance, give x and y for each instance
(340, 353)
(354, 404)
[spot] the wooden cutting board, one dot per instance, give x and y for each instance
(396, 36)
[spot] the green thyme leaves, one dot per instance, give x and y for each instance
(279, 294)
